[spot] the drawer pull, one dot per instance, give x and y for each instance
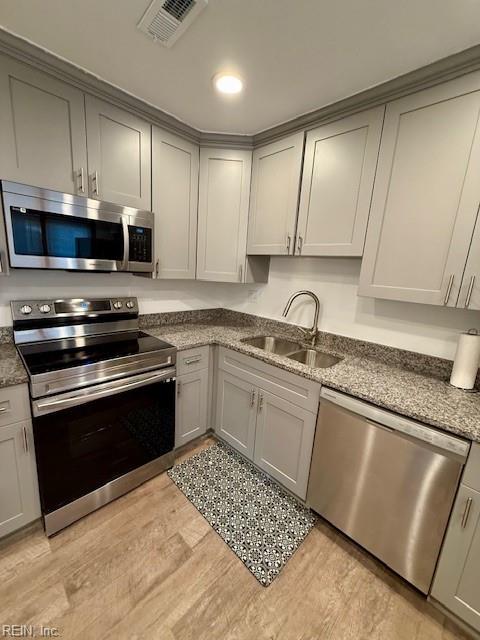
(193, 360)
(3, 409)
(466, 512)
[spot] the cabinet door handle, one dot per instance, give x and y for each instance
(179, 387)
(449, 289)
(1, 265)
(25, 440)
(157, 268)
(95, 183)
(82, 180)
(469, 292)
(252, 397)
(192, 360)
(289, 241)
(240, 273)
(466, 512)
(260, 401)
(299, 244)
(3, 409)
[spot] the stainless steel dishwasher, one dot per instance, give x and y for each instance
(386, 481)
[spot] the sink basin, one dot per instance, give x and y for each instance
(314, 358)
(273, 345)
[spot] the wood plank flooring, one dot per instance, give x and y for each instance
(149, 566)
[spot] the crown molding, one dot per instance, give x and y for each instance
(442, 70)
(437, 72)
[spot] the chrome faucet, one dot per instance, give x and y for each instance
(312, 333)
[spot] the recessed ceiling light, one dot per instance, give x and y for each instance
(227, 83)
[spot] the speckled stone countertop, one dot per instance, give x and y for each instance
(12, 370)
(426, 398)
(408, 383)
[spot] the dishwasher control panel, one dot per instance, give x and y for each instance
(398, 423)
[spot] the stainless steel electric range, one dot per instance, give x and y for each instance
(103, 401)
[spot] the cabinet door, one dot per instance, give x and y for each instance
(174, 201)
(470, 290)
(235, 415)
(191, 415)
(19, 503)
(119, 155)
(337, 185)
(223, 214)
(425, 198)
(274, 198)
(284, 441)
(456, 585)
(42, 129)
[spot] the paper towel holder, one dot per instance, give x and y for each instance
(472, 332)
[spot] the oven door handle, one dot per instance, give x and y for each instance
(89, 394)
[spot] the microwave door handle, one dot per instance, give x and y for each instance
(126, 244)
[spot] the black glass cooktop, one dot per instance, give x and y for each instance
(56, 355)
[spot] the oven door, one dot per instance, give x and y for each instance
(89, 438)
(46, 234)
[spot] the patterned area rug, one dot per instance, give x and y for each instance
(261, 523)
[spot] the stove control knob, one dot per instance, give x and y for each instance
(130, 304)
(45, 308)
(117, 304)
(26, 309)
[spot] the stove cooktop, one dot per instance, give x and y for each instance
(58, 355)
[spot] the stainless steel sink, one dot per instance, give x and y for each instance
(313, 358)
(273, 345)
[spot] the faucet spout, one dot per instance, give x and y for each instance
(313, 332)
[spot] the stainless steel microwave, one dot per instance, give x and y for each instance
(52, 230)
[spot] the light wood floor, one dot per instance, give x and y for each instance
(149, 566)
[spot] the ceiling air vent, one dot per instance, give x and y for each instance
(166, 20)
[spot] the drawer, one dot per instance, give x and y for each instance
(14, 404)
(192, 360)
(289, 386)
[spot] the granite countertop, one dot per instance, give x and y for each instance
(427, 399)
(360, 373)
(12, 370)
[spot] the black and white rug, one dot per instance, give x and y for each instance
(261, 523)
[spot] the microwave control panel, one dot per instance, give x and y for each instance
(140, 244)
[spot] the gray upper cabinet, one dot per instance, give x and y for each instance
(470, 291)
(175, 164)
(337, 185)
(42, 129)
(223, 214)
(426, 195)
(274, 196)
(456, 584)
(119, 155)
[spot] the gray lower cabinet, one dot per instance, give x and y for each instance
(19, 501)
(192, 394)
(457, 582)
(236, 412)
(119, 155)
(269, 415)
(284, 441)
(426, 195)
(42, 129)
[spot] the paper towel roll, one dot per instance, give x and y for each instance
(467, 360)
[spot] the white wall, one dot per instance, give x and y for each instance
(424, 328)
(154, 296)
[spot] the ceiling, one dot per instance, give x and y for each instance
(294, 56)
